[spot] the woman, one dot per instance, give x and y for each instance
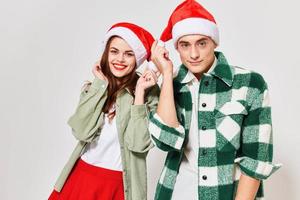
(110, 123)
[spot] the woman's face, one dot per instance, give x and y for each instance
(121, 58)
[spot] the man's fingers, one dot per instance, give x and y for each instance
(154, 46)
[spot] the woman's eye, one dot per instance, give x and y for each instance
(113, 51)
(129, 54)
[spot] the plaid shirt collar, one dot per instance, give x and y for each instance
(221, 70)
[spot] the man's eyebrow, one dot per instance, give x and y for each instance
(183, 42)
(202, 39)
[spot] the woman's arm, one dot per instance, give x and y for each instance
(137, 137)
(86, 119)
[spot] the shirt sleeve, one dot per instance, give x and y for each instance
(255, 159)
(137, 136)
(86, 119)
(165, 137)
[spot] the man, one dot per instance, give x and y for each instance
(213, 119)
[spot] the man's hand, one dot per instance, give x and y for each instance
(160, 57)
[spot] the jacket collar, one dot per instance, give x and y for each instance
(222, 70)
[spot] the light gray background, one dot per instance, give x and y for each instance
(47, 50)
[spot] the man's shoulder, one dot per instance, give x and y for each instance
(247, 77)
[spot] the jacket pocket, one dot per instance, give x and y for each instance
(229, 118)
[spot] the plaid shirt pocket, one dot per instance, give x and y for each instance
(229, 118)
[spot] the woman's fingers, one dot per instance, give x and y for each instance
(98, 72)
(151, 77)
(153, 74)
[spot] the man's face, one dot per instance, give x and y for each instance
(196, 52)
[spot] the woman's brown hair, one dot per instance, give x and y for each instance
(116, 85)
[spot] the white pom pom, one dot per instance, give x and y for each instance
(152, 66)
(160, 43)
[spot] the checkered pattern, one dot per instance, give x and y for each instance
(235, 132)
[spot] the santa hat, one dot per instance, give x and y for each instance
(137, 38)
(190, 18)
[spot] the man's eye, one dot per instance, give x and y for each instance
(184, 45)
(203, 43)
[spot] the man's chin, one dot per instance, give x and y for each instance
(195, 69)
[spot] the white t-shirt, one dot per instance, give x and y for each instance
(105, 152)
(186, 186)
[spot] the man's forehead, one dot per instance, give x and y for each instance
(192, 38)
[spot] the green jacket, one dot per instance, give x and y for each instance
(235, 132)
(132, 125)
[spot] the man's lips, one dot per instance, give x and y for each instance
(118, 66)
(195, 63)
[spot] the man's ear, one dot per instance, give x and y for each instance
(215, 44)
(176, 46)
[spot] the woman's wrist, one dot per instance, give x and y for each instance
(139, 96)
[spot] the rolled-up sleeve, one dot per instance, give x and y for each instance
(256, 155)
(165, 137)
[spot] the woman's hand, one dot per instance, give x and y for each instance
(98, 72)
(147, 80)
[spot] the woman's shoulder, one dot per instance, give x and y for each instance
(86, 86)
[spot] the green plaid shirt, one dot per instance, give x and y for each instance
(235, 132)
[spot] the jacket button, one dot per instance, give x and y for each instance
(204, 177)
(204, 152)
(204, 128)
(204, 105)
(206, 83)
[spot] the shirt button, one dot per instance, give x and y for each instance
(204, 128)
(204, 177)
(206, 83)
(204, 105)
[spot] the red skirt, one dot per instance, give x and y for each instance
(88, 182)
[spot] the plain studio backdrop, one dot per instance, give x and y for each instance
(47, 51)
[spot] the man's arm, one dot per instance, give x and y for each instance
(247, 188)
(166, 106)
(166, 132)
(255, 160)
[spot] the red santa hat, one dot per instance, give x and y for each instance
(190, 18)
(137, 38)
